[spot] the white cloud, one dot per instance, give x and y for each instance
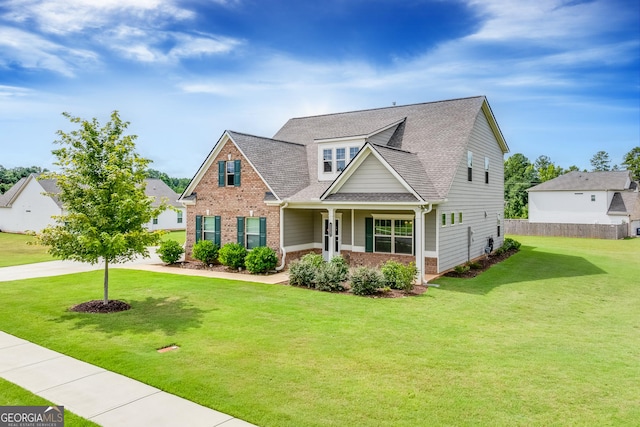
(71, 16)
(34, 52)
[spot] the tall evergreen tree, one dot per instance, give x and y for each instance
(631, 161)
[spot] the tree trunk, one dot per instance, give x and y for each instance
(106, 282)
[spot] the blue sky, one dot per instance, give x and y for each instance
(562, 76)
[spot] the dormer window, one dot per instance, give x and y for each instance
(334, 158)
(327, 159)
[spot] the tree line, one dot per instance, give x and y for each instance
(9, 177)
(521, 174)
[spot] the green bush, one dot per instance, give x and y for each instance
(232, 255)
(509, 244)
(170, 251)
(205, 251)
(302, 273)
(330, 277)
(399, 276)
(341, 266)
(460, 269)
(474, 265)
(314, 259)
(366, 281)
(261, 260)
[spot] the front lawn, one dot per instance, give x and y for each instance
(548, 337)
(14, 250)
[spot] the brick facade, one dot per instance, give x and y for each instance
(231, 202)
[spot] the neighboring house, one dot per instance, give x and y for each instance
(422, 183)
(24, 207)
(587, 198)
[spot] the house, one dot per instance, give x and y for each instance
(587, 198)
(421, 183)
(25, 207)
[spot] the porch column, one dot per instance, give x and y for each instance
(332, 233)
(418, 225)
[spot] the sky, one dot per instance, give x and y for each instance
(561, 76)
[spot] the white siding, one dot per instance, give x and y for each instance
(482, 205)
(372, 177)
(571, 207)
(31, 211)
(168, 220)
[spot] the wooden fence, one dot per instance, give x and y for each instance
(594, 231)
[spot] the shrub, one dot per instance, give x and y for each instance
(509, 244)
(170, 251)
(331, 276)
(399, 276)
(341, 266)
(205, 251)
(232, 255)
(302, 273)
(314, 259)
(261, 260)
(366, 281)
(474, 265)
(460, 269)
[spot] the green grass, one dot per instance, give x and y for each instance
(12, 395)
(178, 236)
(549, 337)
(14, 250)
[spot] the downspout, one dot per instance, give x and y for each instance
(282, 250)
(423, 214)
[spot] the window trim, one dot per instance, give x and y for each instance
(179, 216)
(393, 236)
(246, 231)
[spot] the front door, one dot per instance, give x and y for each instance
(331, 235)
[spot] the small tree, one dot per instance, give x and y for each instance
(102, 190)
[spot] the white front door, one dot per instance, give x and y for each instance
(331, 235)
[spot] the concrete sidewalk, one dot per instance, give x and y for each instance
(104, 397)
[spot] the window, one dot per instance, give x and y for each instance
(353, 151)
(208, 228)
(327, 159)
(252, 233)
(486, 170)
(229, 173)
(444, 220)
(393, 236)
(593, 197)
(155, 221)
(469, 166)
(340, 159)
(179, 219)
(453, 218)
(460, 217)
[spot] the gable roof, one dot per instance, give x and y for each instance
(155, 188)
(283, 165)
(587, 181)
(422, 143)
(437, 133)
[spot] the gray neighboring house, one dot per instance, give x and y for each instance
(587, 198)
(421, 183)
(25, 208)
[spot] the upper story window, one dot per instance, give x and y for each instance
(486, 170)
(229, 173)
(334, 158)
(327, 160)
(469, 166)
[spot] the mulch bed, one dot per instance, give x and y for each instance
(98, 306)
(197, 265)
(484, 263)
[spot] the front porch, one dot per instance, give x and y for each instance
(363, 235)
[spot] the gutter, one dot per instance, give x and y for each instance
(282, 249)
